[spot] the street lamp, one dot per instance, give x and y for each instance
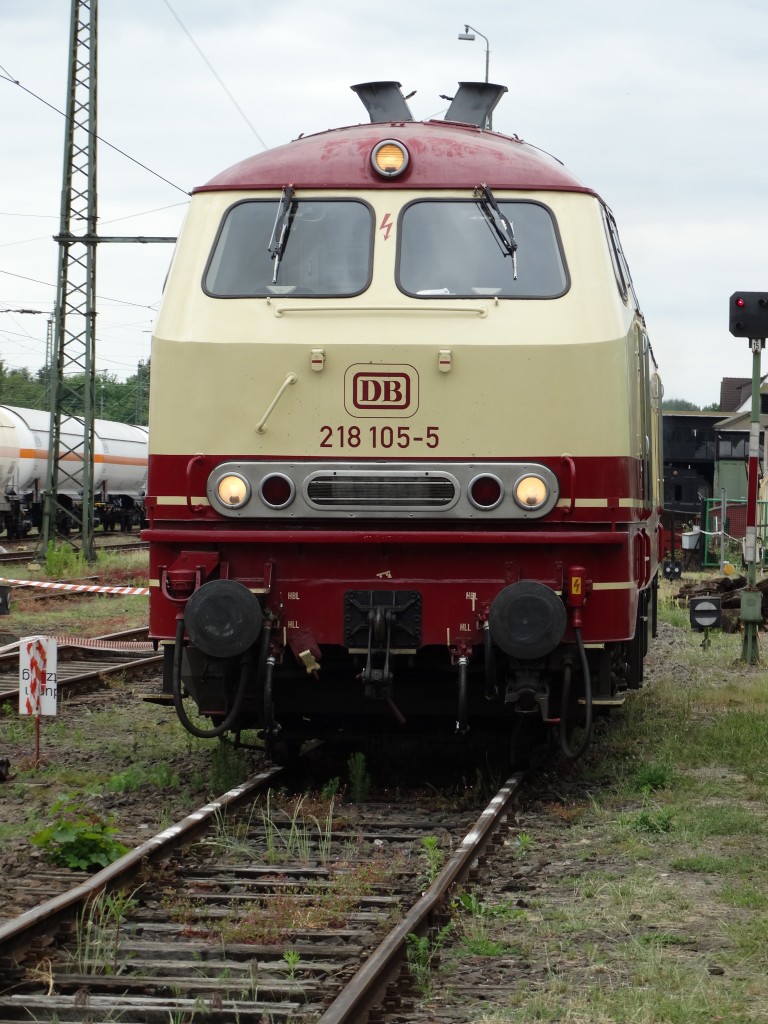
(470, 38)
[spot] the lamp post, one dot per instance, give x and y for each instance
(469, 36)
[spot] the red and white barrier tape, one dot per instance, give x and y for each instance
(75, 588)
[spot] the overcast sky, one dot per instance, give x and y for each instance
(657, 105)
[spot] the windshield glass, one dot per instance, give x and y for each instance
(450, 247)
(325, 249)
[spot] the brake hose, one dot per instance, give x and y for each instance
(234, 714)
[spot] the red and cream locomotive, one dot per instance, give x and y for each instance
(404, 439)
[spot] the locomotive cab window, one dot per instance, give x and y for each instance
(465, 248)
(292, 247)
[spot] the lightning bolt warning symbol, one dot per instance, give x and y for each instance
(386, 225)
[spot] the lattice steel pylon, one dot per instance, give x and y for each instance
(71, 441)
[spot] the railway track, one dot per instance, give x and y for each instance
(80, 667)
(274, 913)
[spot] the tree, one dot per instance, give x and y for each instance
(678, 405)
(121, 401)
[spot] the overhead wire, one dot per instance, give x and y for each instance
(7, 77)
(215, 74)
(103, 298)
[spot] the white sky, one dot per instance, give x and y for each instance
(658, 106)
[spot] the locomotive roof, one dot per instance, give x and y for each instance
(442, 155)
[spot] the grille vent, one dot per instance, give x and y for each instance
(382, 490)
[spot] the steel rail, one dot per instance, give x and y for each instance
(67, 681)
(17, 934)
(367, 986)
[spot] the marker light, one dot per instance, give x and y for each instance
(233, 490)
(277, 491)
(389, 158)
(486, 492)
(531, 492)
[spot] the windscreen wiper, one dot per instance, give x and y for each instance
(499, 224)
(286, 211)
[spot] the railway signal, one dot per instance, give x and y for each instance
(749, 315)
(705, 615)
(749, 319)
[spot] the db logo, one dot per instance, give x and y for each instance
(381, 390)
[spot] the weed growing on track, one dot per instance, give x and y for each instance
(359, 778)
(78, 838)
(99, 930)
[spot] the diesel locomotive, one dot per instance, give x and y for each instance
(404, 440)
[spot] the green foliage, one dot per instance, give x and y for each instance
(653, 776)
(331, 788)
(134, 778)
(61, 560)
(523, 844)
(228, 768)
(359, 779)
(292, 959)
(432, 856)
(79, 839)
(122, 401)
(421, 951)
(679, 405)
(655, 820)
(99, 930)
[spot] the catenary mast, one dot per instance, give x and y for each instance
(71, 454)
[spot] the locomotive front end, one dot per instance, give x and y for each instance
(419, 490)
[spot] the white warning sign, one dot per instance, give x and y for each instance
(38, 664)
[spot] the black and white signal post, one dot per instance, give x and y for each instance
(749, 319)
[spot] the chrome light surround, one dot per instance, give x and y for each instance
(291, 489)
(494, 479)
(390, 490)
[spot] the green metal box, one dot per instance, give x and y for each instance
(751, 606)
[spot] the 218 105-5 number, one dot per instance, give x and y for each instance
(376, 437)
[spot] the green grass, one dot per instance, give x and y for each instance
(655, 910)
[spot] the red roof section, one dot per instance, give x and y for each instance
(442, 155)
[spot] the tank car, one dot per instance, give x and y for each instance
(119, 479)
(404, 468)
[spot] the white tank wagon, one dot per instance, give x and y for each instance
(120, 470)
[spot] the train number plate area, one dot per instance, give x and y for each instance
(382, 620)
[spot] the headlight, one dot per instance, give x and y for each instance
(531, 492)
(233, 490)
(389, 158)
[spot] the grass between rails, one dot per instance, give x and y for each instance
(655, 910)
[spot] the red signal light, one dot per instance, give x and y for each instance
(277, 491)
(740, 302)
(486, 491)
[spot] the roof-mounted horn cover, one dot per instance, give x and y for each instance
(474, 103)
(383, 101)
